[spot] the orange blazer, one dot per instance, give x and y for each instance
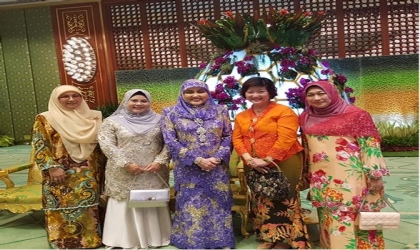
(274, 132)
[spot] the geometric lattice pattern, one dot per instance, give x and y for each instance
(362, 28)
(403, 17)
(161, 34)
(326, 40)
(128, 36)
(198, 49)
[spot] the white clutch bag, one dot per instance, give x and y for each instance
(149, 197)
(379, 220)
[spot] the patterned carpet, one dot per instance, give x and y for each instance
(402, 189)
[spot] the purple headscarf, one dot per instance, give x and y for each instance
(186, 110)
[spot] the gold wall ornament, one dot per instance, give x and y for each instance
(79, 59)
(88, 94)
(75, 23)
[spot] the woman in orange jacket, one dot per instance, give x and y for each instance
(264, 133)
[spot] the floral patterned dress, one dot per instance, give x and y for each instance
(71, 208)
(339, 167)
(273, 133)
(203, 217)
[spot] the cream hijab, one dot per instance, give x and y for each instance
(78, 128)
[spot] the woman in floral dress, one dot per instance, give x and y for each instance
(268, 132)
(345, 167)
(198, 134)
(67, 151)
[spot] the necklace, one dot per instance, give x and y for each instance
(200, 131)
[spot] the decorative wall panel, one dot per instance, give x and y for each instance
(127, 36)
(326, 40)
(6, 127)
(353, 28)
(42, 55)
(75, 23)
(163, 34)
(198, 49)
(25, 40)
(404, 31)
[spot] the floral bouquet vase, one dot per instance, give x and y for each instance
(273, 47)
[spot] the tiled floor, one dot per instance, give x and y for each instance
(402, 188)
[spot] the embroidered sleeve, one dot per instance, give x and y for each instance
(163, 157)
(226, 141)
(42, 145)
(107, 138)
(177, 150)
(372, 159)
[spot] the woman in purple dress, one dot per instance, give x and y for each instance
(198, 134)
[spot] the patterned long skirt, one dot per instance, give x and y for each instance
(281, 220)
(73, 228)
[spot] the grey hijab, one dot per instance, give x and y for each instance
(135, 123)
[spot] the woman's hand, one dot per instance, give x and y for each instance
(133, 168)
(152, 167)
(259, 164)
(57, 175)
(208, 164)
(375, 184)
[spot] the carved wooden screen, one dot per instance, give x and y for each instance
(163, 33)
(159, 33)
(197, 48)
(326, 40)
(362, 28)
(127, 36)
(403, 17)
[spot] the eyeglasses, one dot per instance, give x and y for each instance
(67, 97)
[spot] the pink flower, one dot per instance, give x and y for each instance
(319, 157)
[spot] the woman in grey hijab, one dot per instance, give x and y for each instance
(137, 159)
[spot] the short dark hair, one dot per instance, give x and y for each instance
(261, 82)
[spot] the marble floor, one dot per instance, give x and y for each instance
(402, 189)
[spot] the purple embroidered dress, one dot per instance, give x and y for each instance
(203, 217)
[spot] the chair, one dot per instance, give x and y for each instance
(240, 190)
(21, 200)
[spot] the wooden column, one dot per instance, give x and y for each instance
(83, 22)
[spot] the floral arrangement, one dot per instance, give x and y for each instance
(236, 31)
(221, 64)
(294, 60)
(271, 44)
(296, 96)
(227, 93)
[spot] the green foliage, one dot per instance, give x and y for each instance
(398, 135)
(6, 141)
(238, 31)
(108, 109)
